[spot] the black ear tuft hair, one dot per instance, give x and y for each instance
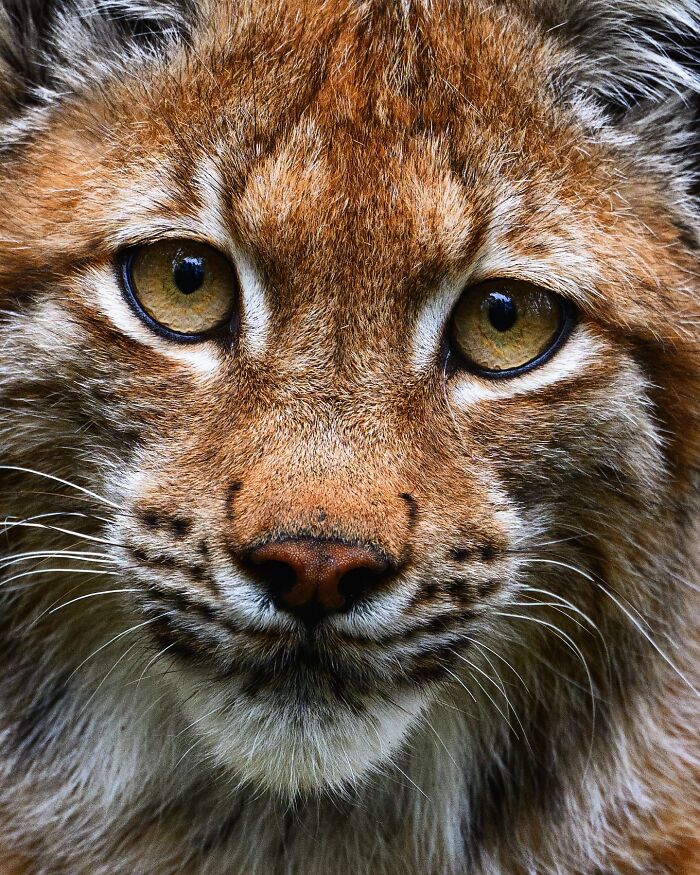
(50, 47)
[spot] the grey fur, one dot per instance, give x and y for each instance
(48, 47)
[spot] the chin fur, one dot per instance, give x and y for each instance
(294, 744)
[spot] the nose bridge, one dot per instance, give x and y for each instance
(323, 479)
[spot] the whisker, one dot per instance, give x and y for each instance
(188, 751)
(224, 707)
(462, 684)
(68, 483)
(117, 638)
(568, 640)
(648, 637)
(151, 661)
(482, 646)
(36, 571)
(570, 605)
(424, 719)
(75, 534)
(91, 595)
(75, 555)
(10, 522)
(106, 676)
(489, 696)
(396, 766)
(557, 606)
(571, 644)
(15, 493)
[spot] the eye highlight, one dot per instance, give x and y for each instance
(183, 288)
(501, 328)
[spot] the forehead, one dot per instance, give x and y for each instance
(404, 126)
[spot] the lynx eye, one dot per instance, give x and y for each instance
(502, 327)
(183, 288)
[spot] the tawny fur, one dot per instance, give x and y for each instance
(523, 700)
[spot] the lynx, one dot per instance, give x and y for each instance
(349, 437)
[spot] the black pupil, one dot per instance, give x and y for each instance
(188, 273)
(502, 311)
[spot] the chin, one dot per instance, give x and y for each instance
(298, 738)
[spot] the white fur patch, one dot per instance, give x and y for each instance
(273, 745)
(255, 311)
(431, 322)
(100, 290)
(578, 351)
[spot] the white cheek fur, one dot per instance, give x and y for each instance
(578, 353)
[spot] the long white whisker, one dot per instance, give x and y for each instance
(558, 607)
(462, 684)
(90, 595)
(68, 483)
(482, 646)
(648, 637)
(224, 707)
(489, 696)
(151, 661)
(15, 493)
(437, 735)
(189, 749)
(571, 644)
(36, 571)
(563, 601)
(101, 683)
(75, 534)
(574, 568)
(10, 522)
(117, 638)
(77, 555)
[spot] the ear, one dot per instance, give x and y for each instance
(50, 47)
(636, 64)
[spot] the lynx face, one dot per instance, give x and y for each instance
(368, 340)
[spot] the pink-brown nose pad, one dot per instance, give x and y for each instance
(312, 578)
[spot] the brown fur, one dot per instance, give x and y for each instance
(361, 151)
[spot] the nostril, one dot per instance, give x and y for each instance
(279, 577)
(357, 582)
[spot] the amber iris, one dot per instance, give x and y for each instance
(502, 326)
(185, 287)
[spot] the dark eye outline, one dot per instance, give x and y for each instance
(224, 332)
(568, 320)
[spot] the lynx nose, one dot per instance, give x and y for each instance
(311, 577)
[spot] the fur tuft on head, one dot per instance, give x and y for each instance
(50, 48)
(630, 51)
